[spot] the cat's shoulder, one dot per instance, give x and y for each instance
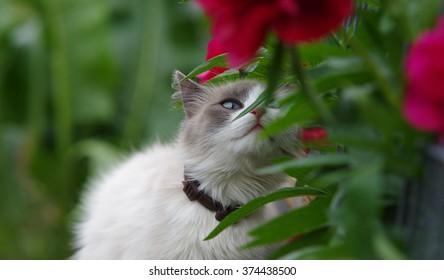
(137, 168)
(151, 156)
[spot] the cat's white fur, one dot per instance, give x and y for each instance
(139, 211)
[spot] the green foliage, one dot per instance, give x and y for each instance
(253, 205)
(82, 82)
(297, 221)
(217, 61)
(352, 84)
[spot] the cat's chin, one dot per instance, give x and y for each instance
(252, 133)
(253, 144)
(260, 146)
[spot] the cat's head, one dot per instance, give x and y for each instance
(210, 129)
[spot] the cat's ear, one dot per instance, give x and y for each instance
(189, 92)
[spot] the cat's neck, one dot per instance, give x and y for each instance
(229, 180)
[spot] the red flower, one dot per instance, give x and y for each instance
(241, 25)
(313, 134)
(424, 66)
(214, 49)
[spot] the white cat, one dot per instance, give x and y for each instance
(140, 211)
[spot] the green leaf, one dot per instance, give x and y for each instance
(308, 89)
(332, 74)
(361, 137)
(373, 4)
(325, 180)
(217, 61)
(299, 113)
(303, 175)
(315, 161)
(262, 98)
(314, 53)
(336, 72)
(359, 212)
(226, 77)
(295, 222)
(317, 237)
(251, 206)
(273, 80)
(322, 147)
(386, 249)
(332, 252)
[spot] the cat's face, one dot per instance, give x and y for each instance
(210, 125)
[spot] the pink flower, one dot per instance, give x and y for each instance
(424, 67)
(240, 26)
(214, 49)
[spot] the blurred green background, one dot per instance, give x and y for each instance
(81, 82)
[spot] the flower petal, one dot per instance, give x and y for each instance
(313, 134)
(210, 74)
(243, 36)
(424, 68)
(422, 114)
(316, 18)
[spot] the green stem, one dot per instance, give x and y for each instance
(275, 70)
(147, 73)
(37, 93)
(308, 89)
(60, 75)
(389, 94)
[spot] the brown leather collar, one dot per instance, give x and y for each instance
(191, 189)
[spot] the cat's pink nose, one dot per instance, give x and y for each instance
(258, 112)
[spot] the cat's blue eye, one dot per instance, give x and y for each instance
(231, 104)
